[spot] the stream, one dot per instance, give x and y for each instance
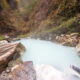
(46, 52)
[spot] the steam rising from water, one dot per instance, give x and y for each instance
(45, 52)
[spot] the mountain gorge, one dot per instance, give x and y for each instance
(39, 16)
(57, 16)
(38, 35)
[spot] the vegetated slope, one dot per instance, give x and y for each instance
(14, 16)
(39, 16)
(56, 16)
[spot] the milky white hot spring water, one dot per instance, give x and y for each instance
(45, 52)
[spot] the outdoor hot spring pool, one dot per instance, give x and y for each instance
(45, 52)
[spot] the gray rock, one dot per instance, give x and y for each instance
(8, 52)
(23, 71)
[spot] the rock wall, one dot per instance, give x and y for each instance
(9, 52)
(55, 16)
(14, 16)
(42, 16)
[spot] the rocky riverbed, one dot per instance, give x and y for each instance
(13, 68)
(72, 40)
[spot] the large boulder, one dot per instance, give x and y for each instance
(68, 39)
(26, 71)
(8, 52)
(23, 71)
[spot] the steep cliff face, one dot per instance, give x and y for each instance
(56, 16)
(14, 16)
(11, 22)
(40, 16)
(64, 8)
(44, 8)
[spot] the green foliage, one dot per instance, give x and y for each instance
(2, 37)
(46, 23)
(12, 22)
(65, 24)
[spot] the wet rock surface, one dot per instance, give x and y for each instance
(16, 69)
(8, 52)
(72, 40)
(24, 71)
(11, 66)
(69, 39)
